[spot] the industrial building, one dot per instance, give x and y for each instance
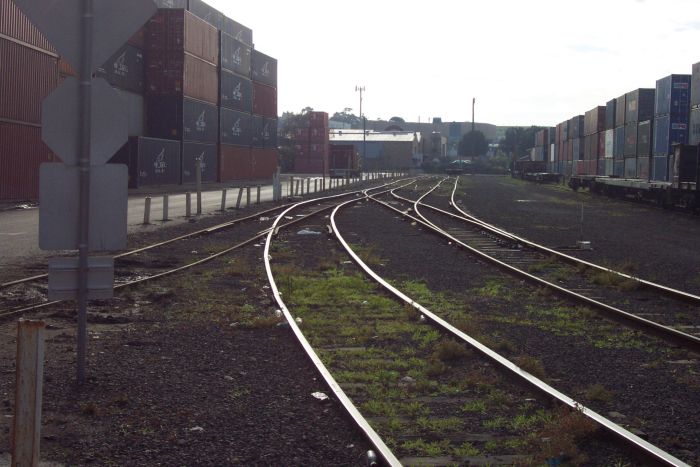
(383, 150)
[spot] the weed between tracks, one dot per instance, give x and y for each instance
(427, 395)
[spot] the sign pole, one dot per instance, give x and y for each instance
(84, 171)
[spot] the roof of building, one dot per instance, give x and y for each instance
(373, 136)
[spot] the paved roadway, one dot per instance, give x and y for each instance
(19, 229)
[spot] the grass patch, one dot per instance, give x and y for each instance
(597, 392)
(531, 365)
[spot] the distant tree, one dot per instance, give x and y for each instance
(397, 120)
(473, 144)
(519, 140)
(347, 117)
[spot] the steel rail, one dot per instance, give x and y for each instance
(259, 235)
(332, 384)
(638, 443)
(197, 233)
(572, 259)
(686, 340)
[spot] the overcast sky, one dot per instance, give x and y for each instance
(536, 62)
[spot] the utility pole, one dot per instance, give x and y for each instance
(361, 90)
(473, 104)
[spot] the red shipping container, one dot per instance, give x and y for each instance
(29, 76)
(343, 156)
(235, 163)
(318, 135)
(138, 40)
(264, 163)
(172, 30)
(21, 153)
(14, 24)
(310, 166)
(264, 100)
(318, 119)
(601, 144)
(186, 74)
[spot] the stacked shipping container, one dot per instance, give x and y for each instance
(639, 113)
(694, 134)
(671, 115)
(594, 142)
(31, 66)
(312, 145)
(264, 151)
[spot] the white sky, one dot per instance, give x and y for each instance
(527, 62)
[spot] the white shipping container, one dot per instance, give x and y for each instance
(609, 143)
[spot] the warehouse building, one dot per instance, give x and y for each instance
(383, 150)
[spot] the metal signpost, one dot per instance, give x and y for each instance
(83, 201)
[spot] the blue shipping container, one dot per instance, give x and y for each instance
(668, 132)
(694, 127)
(659, 169)
(619, 143)
(619, 168)
(673, 96)
(630, 167)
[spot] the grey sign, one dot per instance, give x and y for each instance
(63, 278)
(113, 24)
(59, 200)
(60, 120)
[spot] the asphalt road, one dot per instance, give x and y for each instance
(19, 229)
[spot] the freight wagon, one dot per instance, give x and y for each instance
(682, 191)
(528, 170)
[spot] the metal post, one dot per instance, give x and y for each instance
(165, 207)
(296, 190)
(291, 186)
(26, 433)
(85, 78)
(240, 195)
(198, 175)
(258, 195)
(223, 199)
(147, 211)
(247, 196)
(308, 186)
(316, 185)
(188, 204)
(302, 187)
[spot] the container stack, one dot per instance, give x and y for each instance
(264, 152)
(619, 137)
(639, 110)
(313, 145)
(609, 151)
(542, 144)
(671, 117)
(576, 144)
(31, 73)
(563, 156)
(593, 141)
(694, 134)
(236, 101)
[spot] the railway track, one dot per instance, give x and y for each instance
(337, 347)
(656, 307)
(135, 267)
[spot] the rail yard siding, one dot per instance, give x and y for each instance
(236, 128)
(235, 55)
(206, 154)
(21, 153)
(235, 163)
(15, 25)
(33, 76)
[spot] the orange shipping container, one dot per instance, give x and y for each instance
(14, 24)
